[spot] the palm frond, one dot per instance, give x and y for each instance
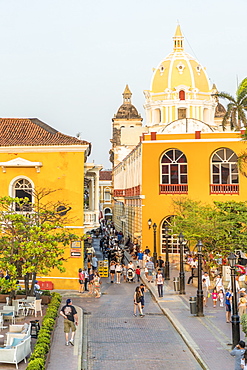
(242, 163)
(241, 86)
(225, 95)
(242, 95)
(227, 114)
(242, 116)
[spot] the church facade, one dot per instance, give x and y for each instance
(182, 150)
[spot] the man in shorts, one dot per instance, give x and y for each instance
(69, 314)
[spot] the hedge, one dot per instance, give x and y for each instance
(38, 357)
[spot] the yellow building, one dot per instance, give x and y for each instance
(33, 155)
(105, 194)
(182, 152)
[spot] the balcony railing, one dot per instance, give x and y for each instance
(119, 193)
(90, 217)
(130, 192)
(173, 189)
(224, 189)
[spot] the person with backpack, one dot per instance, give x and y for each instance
(69, 313)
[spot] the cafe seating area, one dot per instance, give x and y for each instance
(16, 330)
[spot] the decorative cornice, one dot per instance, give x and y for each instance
(20, 162)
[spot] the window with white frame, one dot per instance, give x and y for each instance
(107, 195)
(224, 168)
(171, 239)
(174, 167)
(22, 188)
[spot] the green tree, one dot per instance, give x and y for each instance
(236, 107)
(32, 240)
(222, 227)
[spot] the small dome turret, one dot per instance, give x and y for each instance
(127, 110)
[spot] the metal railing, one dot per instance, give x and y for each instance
(224, 189)
(173, 189)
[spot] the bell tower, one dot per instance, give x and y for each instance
(126, 129)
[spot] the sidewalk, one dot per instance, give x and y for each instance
(69, 357)
(61, 356)
(208, 337)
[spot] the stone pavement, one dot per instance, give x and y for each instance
(208, 337)
(113, 338)
(167, 337)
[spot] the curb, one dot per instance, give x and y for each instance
(78, 337)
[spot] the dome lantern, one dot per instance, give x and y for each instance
(178, 39)
(127, 95)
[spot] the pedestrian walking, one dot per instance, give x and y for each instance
(140, 259)
(205, 292)
(206, 276)
(160, 264)
(194, 266)
(138, 273)
(86, 276)
(118, 270)
(143, 289)
(219, 283)
(221, 297)
(81, 280)
(94, 263)
(90, 281)
(238, 353)
(96, 284)
(137, 301)
(244, 361)
(112, 270)
(242, 304)
(228, 305)
(150, 267)
(70, 316)
(214, 295)
(160, 282)
(124, 272)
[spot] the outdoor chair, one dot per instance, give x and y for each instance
(36, 307)
(9, 314)
(18, 331)
(18, 307)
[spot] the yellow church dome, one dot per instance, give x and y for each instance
(179, 69)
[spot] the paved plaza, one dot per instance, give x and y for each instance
(167, 337)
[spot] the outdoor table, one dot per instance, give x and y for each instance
(26, 304)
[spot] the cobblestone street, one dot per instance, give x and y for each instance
(116, 339)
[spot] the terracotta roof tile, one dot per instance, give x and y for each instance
(32, 132)
(105, 175)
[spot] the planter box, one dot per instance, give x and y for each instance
(3, 298)
(45, 299)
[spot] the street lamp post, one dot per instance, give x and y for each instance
(181, 273)
(234, 317)
(155, 252)
(199, 298)
(167, 263)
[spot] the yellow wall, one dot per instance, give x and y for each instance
(158, 206)
(63, 171)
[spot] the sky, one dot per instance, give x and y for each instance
(67, 62)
